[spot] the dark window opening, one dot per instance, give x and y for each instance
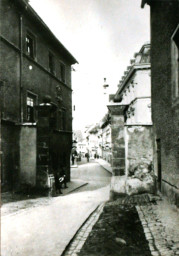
(62, 72)
(51, 63)
(30, 46)
(63, 120)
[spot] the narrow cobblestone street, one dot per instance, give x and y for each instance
(89, 127)
(48, 225)
(158, 232)
(72, 224)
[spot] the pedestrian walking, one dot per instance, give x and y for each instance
(87, 156)
(73, 155)
(57, 184)
(63, 179)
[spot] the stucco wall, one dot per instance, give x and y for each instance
(10, 91)
(164, 114)
(28, 155)
(37, 80)
(10, 156)
(143, 83)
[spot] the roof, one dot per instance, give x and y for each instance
(31, 12)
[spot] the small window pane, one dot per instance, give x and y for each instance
(30, 45)
(31, 102)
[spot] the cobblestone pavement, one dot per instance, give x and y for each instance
(77, 243)
(161, 242)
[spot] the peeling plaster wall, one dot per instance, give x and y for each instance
(140, 148)
(28, 155)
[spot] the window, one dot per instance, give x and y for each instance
(30, 45)
(31, 102)
(51, 63)
(63, 119)
(62, 72)
(175, 63)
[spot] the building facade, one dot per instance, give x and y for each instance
(164, 17)
(34, 66)
(105, 139)
(92, 140)
(130, 111)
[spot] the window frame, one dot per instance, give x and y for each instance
(33, 97)
(51, 64)
(33, 38)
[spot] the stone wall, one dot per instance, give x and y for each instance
(118, 145)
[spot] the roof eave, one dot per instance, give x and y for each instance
(132, 70)
(37, 18)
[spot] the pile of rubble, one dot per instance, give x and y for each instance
(140, 179)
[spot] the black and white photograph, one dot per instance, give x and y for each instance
(89, 127)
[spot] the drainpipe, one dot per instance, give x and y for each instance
(21, 67)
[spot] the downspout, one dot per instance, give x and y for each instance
(21, 67)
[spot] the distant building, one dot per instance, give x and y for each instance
(81, 148)
(34, 64)
(105, 136)
(130, 112)
(165, 93)
(92, 140)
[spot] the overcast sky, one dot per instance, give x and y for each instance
(103, 36)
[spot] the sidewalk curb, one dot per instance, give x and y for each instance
(66, 247)
(104, 167)
(30, 208)
(75, 189)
